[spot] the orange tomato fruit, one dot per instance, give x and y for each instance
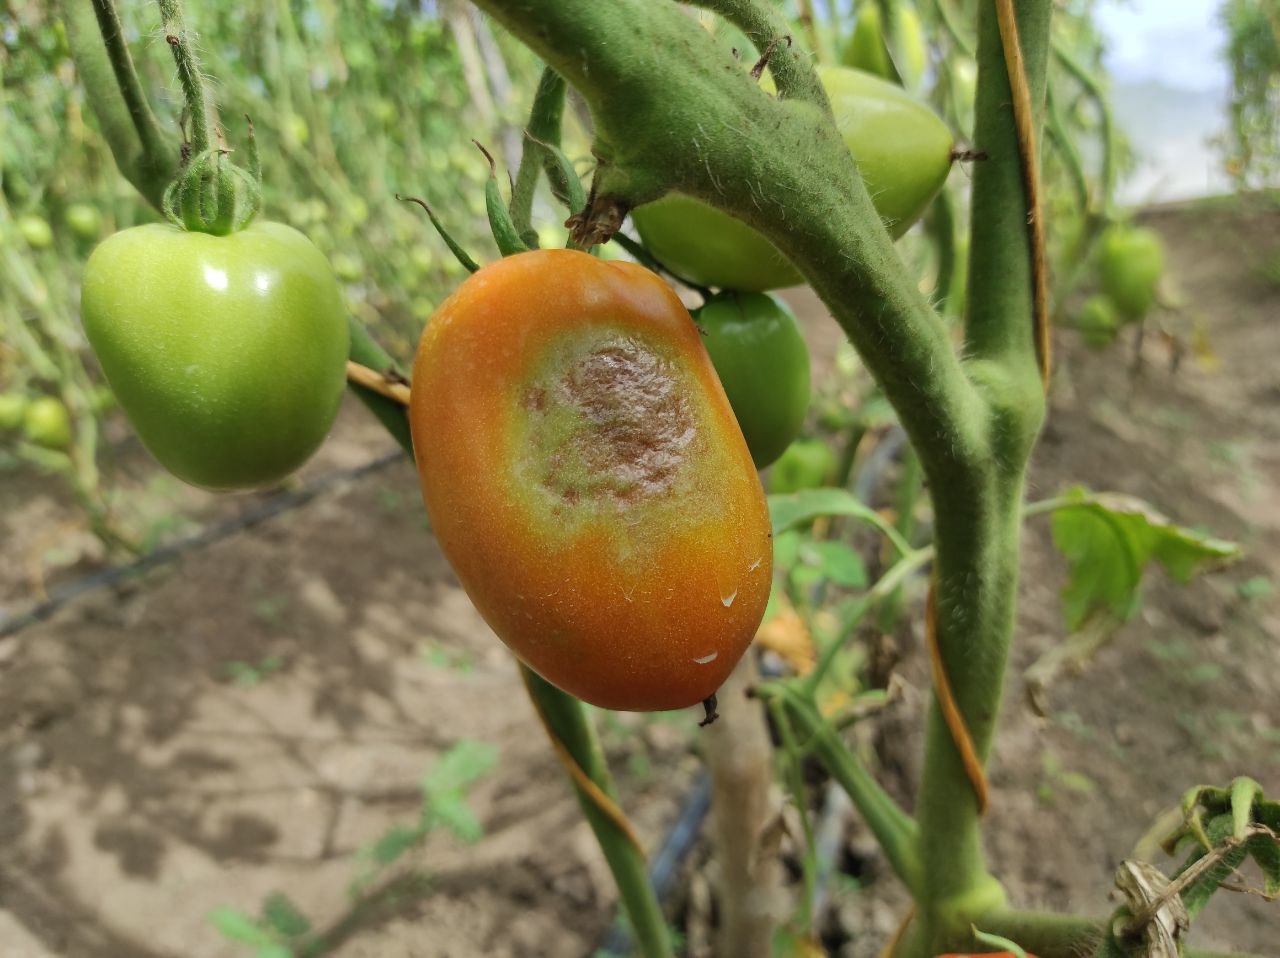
(586, 478)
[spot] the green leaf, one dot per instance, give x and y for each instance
(235, 925)
(279, 912)
(273, 950)
(797, 508)
(459, 767)
(395, 842)
(1109, 540)
(1243, 792)
(452, 812)
(786, 550)
(837, 562)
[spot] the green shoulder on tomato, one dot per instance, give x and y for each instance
(227, 353)
(763, 364)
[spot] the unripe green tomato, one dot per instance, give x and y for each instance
(102, 399)
(1130, 262)
(227, 353)
(763, 364)
(47, 423)
(35, 231)
(13, 407)
(296, 131)
(84, 221)
(807, 464)
(347, 267)
(868, 50)
(1098, 322)
(904, 154)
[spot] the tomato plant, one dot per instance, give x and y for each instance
(1098, 322)
(763, 364)
(586, 479)
(227, 353)
(903, 151)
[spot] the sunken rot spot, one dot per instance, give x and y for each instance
(609, 423)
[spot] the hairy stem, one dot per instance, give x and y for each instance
(189, 76)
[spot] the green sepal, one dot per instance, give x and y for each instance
(503, 227)
(455, 248)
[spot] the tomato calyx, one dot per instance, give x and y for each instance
(213, 195)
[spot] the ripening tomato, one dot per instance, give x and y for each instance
(1130, 261)
(763, 364)
(587, 481)
(904, 154)
(227, 353)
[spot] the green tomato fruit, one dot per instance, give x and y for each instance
(807, 464)
(47, 423)
(84, 221)
(35, 231)
(763, 364)
(347, 267)
(1130, 262)
(13, 407)
(1098, 322)
(227, 353)
(904, 154)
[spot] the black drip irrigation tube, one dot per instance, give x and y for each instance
(280, 503)
(684, 832)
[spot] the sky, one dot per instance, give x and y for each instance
(1178, 42)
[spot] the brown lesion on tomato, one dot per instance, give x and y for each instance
(614, 424)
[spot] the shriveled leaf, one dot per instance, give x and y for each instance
(235, 925)
(1109, 540)
(279, 912)
(1266, 852)
(1197, 894)
(459, 767)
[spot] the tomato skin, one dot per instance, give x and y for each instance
(586, 479)
(227, 353)
(904, 154)
(763, 364)
(47, 423)
(1130, 262)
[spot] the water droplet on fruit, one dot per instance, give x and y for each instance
(727, 600)
(707, 659)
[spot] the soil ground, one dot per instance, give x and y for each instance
(250, 717)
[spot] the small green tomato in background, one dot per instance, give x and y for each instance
(13, 407)
(763, 364)
(35, 231)
(867, 48)
(807, 464)
(1130, 262)
(227, 353)
(47, 423)
(84, 221)
(1098, 322)
(903, 151)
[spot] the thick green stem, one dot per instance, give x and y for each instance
(144, 120)
(188, 63)
(977, 533)
(566, 717)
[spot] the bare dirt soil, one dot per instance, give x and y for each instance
(250, 717)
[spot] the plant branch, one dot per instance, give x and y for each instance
(544, 127)
(893, 828)
(188, 63)
(147, 159)
(765, 26)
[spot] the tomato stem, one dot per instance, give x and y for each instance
(184, 55)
